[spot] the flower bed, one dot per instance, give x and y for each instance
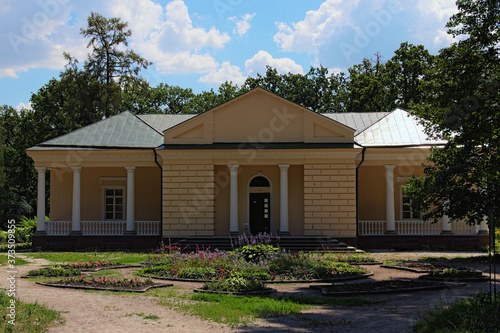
(93, 266)
(381, 287)
(54, 272)
(235, 283)
(259, 263)
(104, 283)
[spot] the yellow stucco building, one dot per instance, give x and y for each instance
(255, 164)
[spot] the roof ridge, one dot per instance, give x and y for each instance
(145, 122)
(388, 113)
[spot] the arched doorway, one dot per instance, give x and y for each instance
(259, 206)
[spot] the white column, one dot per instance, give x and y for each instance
(233, 201)
(75, 221)
(130, 200)
(389, 199)
(446, 220)
(40, 204)
(284, 198)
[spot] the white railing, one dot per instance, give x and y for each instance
(415, 228)
(148, 228)
(102, 228)
(371, 228)
(462, 228)
(418, 227)
(58, 228)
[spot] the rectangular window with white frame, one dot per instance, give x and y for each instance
(406, 208)
(114, 203)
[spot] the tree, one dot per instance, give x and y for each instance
(18, 191)
(108, 69)
(405, 73)
(462, 108)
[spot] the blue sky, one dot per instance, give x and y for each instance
(199, 44)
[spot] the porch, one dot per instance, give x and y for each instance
(103, 228)
(418, 234)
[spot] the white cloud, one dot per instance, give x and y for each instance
(258, 63)
(317, 27)
(226, 72)
(21, 106)
(443, 38)
(35, 36)
(440, 9)
(433, 16)
(167, 37)
(185, 62)
(243, 25)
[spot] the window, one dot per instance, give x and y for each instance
(407, 211)
(114, 203)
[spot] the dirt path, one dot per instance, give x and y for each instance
(98, 312)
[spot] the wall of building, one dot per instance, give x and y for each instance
(93, 180)
(371, 189)
(188, 199)
(246, 173)
(330, 199)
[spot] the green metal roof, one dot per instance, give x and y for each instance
(124, 130)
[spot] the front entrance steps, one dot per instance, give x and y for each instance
(292, 243)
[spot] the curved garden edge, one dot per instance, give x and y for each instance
(482, 278)
(439, 286)
(57, 284)
(409, 269)
(242, 293)
(346, 278)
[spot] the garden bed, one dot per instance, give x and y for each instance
(383, 287)
(345, 278)
(57, 284)
(107, 284)
(242, 293)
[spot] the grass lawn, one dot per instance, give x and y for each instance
(4, 260)
(62, 257)
(28, 317)
(238, 310)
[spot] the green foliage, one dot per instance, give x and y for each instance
(64, 257)
(29, 317)
(25, 229)
(477, 314)
(235, 283)
(54, 271)
(462, 109)
(258, 252)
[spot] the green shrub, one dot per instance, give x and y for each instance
(235, 283)
(477, 314)
(3, 237)
(54, 271)
(258, 252)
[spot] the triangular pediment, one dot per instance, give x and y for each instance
(258, 116)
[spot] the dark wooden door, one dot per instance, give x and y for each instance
(260, 213)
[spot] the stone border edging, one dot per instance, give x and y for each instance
(372, 263)
(56, 284)
(409, 269)
(257, 292)
(481, 278)
(440, 286)
(346, 278)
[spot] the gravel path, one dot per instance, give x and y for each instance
(99, 312)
